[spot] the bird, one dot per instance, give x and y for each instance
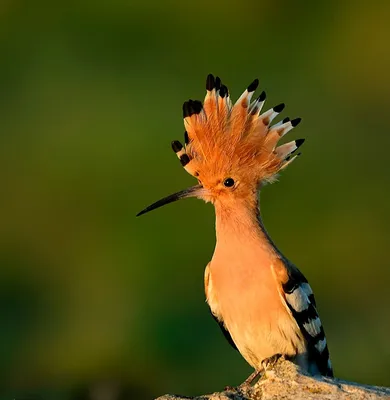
(262, 302)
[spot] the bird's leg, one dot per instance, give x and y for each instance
(266, 364)
(251, 378)
(248, 381)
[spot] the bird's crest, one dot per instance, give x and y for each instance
(221, 137)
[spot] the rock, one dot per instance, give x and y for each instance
(286, 382)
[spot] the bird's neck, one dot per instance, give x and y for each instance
(239, 226)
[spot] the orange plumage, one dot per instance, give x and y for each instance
(226, 139)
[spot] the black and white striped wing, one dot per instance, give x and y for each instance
(300, 300)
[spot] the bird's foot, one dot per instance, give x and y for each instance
(269, 363)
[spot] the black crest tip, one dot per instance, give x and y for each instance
(295, 122)
(191, 107)
(218, 83)
(279, 108)
(186, 109)
(286, 120)
(184, 160)
(223, 91)
(299, 142)
(262, 96)
(210, 82)
(253, 86)
(198, 106)
(176, 146)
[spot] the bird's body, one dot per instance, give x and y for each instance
(243, 291)
(262, 302)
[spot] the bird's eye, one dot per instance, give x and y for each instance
(228, 182)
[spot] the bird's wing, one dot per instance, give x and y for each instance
(224, 331)
(301, 303)
(213, 304)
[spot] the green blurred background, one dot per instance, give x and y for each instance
(93, 299)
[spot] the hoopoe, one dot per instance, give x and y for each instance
(262, 302)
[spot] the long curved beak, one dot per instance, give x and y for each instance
(193, 191)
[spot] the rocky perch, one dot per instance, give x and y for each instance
(286, 382)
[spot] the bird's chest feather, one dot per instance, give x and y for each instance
(244, 285)
(246, 296)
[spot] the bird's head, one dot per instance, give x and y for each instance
(230, 149)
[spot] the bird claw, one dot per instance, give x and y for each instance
(269, 363)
